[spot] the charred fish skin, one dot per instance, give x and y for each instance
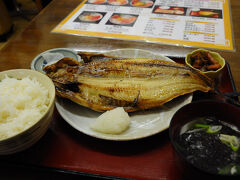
(135, 84)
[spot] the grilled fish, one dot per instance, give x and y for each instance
(135, 84)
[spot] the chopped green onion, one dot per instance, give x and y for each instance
(230, 169)
(231, 141)
(202, 125)
(233, 170)
(210, 129)
(234, 143)
(214, 129)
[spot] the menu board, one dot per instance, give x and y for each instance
(195, 23)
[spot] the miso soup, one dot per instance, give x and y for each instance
(211, 145)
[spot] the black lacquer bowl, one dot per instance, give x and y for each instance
(207, 108)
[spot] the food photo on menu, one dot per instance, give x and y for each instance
(90, 17)
(122, 19)
(172, 10)
(210, 13)
(117, 2)
(108, 2)
(142, 3)
(131, 3)
(96, 1)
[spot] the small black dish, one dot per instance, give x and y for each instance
(186, 153)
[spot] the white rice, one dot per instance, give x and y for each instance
(22, 103)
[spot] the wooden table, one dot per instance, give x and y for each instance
(37, 37)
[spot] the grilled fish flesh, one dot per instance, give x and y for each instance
(135, 84)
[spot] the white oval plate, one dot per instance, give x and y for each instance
(143, 123)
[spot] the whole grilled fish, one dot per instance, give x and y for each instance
(135, 84)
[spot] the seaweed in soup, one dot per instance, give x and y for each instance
(211, 145)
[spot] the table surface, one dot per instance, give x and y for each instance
(37, 37)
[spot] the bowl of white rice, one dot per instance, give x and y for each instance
(26, 108)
